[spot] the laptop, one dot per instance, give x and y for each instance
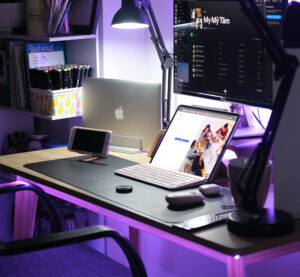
(130, 109)
(191, 148)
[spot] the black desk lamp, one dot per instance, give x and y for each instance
(135, 14)
(249, 219)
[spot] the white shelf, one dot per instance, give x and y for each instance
(46, 38)
(48, 117)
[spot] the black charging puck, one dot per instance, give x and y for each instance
(123, 189)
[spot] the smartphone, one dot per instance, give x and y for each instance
(90, 141)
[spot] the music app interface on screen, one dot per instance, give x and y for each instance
(218, 53)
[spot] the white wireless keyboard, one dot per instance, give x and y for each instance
(161, 177)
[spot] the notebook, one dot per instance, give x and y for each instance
(193, 144)
(130, 109)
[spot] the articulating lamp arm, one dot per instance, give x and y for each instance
(285, 68)
(166, 60)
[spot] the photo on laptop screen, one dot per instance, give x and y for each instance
(195, 140)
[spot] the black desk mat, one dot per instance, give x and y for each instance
(99, 178)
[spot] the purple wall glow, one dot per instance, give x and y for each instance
(11, 121)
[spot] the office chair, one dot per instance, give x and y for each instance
(61, 253)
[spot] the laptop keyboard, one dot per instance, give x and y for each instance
(161, 177)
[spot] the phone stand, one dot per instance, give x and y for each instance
(91, 158)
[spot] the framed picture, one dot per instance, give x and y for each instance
(83, 16)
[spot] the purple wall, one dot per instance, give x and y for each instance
(11, 121)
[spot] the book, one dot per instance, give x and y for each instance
(18, 82)
(4, 88)
(44, 54)
(21, 82)
(2, 67)
(14, 99)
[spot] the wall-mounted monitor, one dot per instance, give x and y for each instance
(218, 53)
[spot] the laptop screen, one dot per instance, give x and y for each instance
(195, 140)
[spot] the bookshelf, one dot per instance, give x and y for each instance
(79, 49)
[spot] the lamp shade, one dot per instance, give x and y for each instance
(130, 16)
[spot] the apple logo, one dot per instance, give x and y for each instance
(119, 113)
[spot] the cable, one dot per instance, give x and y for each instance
(258, 119)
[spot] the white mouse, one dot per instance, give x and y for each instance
(210, 189)
(184, 198)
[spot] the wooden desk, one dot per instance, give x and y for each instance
(215, 242)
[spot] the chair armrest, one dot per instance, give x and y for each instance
(53, 240)
(76, 236)
(52, 212)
